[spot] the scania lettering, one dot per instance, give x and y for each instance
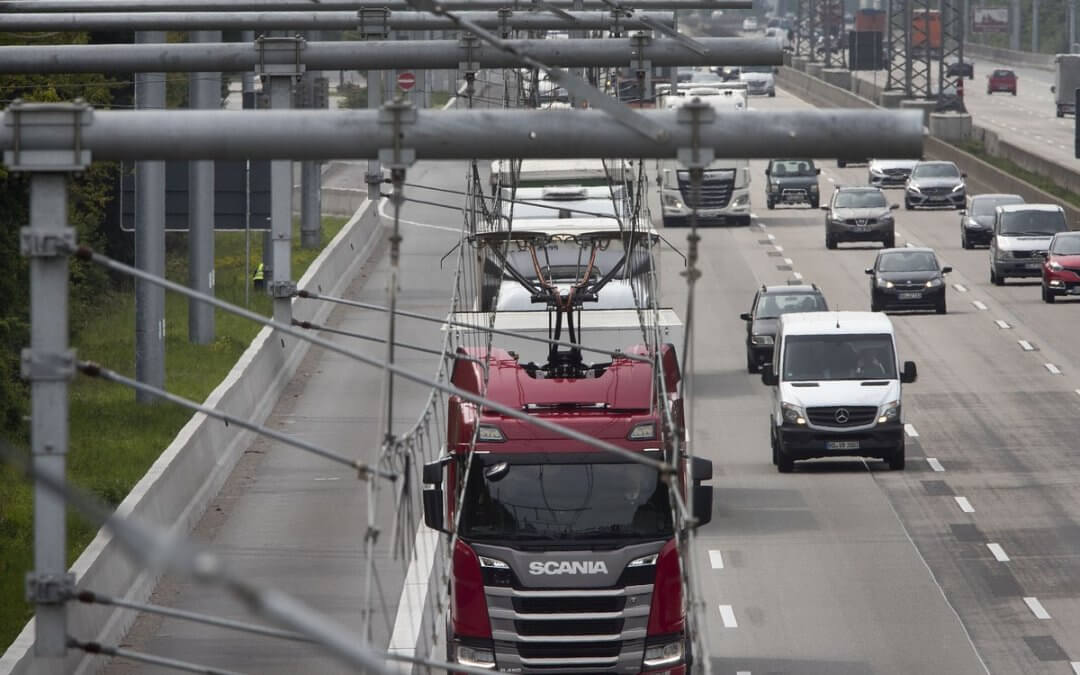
(565, 558)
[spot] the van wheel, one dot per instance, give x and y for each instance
(772, 442)
(896, 460)
(784, 464)
(996, 278)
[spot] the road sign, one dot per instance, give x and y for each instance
(406, 81)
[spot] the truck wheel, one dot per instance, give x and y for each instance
(775, 449)
(907, 204)
(673, 221)
(743, 221)
(896, 460)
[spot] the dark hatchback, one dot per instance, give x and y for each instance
(907, 278)
(769, 304)
(977, 220)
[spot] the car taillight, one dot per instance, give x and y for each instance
(666, 613)
(468, 605)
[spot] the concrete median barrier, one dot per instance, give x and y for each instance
(185, 478)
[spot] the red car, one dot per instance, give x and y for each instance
(1001, 80)
(1061, 271)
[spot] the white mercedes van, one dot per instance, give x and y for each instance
(836, 382)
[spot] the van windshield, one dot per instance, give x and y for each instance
(564, 501)
(1032, 223)
(838, 357)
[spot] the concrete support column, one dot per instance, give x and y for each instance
(281, 190)
(149, 240)
(204, 92)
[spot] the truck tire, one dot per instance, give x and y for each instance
(673, 221)
(772, 442)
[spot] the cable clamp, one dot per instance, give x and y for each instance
(34, 243)
(282, 289)
(58, 126)
(49, 589)
(44, 366)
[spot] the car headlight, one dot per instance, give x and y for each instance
(1055, 266)
(914, 188)
(958, 188)
(974, 224)
(877, 172)
(885, 283)
(793, 414)
(761, 339)
(664, 655)
(476, 657)
(774, 186)
(1003, 254)
(933, 283)
(672, 202)
(890, 412)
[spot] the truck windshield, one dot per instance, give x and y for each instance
(838, 357)
(564, 502)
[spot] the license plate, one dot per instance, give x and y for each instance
(710, 213)
(841, 445)
(1033, 265)
(910, 296)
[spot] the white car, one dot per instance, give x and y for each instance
(759, 80)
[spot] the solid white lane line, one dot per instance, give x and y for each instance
(1025, 345)
(979, 305)
(410, 614)
(911, 431)
(797, 275)
(727, 615)
(935, 464)
(1002, 324)
(999, 553)
(716, 560)
(1036, 608)
(960, 287)
(1054, 370)
(964, 504)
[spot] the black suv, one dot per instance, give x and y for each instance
(907, 278)
(769, 303)
(791, 181)
(859, 214)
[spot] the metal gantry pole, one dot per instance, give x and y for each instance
(149, 239)
(204, 92)
(310, 175)
(339, 5)
(280, 80)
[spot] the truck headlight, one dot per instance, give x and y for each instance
(890, 412)
(793, 414)
(663, 655)
(646, 431)
(761, 339)
(644, 561)
(672, 202)
(741, 200)
(476, 657)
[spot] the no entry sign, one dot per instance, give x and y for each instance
(406, 81)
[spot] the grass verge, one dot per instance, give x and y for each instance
(113, 442)
(1014, 169)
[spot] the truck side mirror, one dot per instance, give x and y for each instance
(910, 374)
(768, 377)
(433, 509)
(700, 469)
(703, 503)
(433, 471)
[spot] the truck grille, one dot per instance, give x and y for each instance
(569, 631)
(854, 416)
(715, 194)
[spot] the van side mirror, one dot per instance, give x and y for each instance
(910, 374)
(768, 377)
(433, 509)
(745, 316)
(703, 503)
(946, 269)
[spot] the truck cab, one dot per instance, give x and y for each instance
(564, 558)
(725, 188)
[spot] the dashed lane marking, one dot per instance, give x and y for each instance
(788, 261)
(1036, 608)
(960, 287)
(778, 247)
(727, 615)
(998, 552)
(911, 431)
(772, 237)
(1075, 666)
(935, 464)
(716, 560)
(1002, 324)
(979, 305)
(964, 504)
(797, 275)
(1054, 370)
(1026, 346)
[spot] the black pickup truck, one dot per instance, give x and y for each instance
(792, 181)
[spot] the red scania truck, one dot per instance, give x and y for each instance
(565, 557)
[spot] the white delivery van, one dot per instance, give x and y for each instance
(837, 382)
